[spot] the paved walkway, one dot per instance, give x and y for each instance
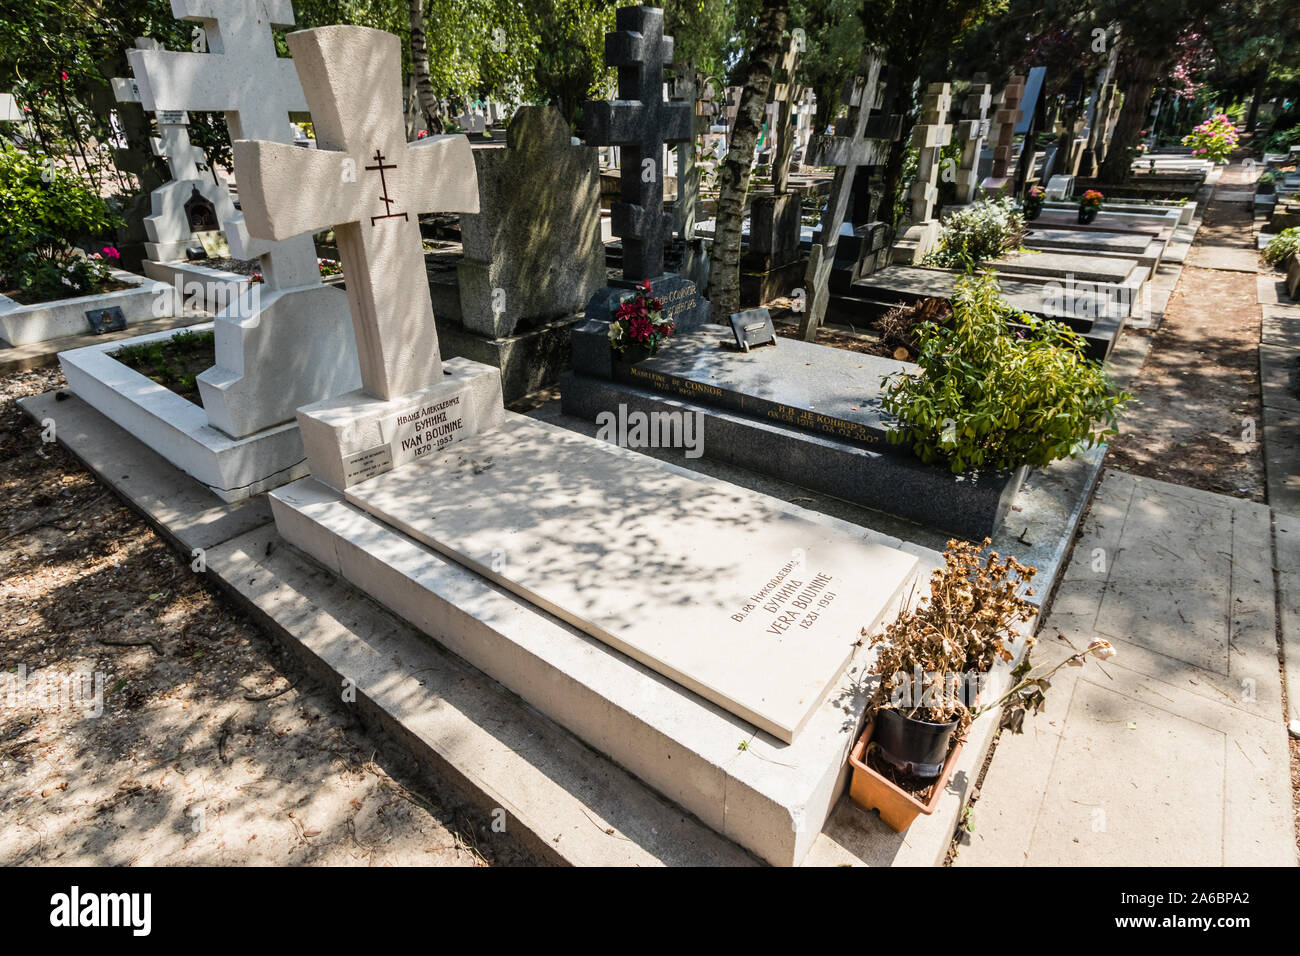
(1175, 752)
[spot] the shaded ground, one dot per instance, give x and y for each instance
(1198, 414)
(207, 749)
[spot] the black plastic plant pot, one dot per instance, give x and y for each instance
(918, 747)
(1087, 214)
(1033, 210)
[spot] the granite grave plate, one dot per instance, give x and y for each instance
(830, 391)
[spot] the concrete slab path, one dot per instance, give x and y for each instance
(1175, 752)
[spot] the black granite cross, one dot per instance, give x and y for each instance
(639, 122)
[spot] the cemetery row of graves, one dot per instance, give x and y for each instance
(734, 445)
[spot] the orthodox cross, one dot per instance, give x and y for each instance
(641, 123)
(370, 185)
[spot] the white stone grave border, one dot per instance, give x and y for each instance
(769, 797)
(177, 429)
(41, 321)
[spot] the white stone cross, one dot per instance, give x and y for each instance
(243, 77)
(971, 134)
(930, 135)
(184, 159)
(366, 181)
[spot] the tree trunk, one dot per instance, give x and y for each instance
(1261, 83)
(733, 178)
(1132, 116)
(420, 67)
(901, 96)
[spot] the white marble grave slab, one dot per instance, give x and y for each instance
(754, 608)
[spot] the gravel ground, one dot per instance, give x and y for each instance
(144, 719)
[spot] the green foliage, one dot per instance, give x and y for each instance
(1285, 243)
(174, 362)
(44, 212)
(988, 398)
(1283, 140)
(983, 230)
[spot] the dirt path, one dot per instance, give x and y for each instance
(1197, 418)
(207, 749)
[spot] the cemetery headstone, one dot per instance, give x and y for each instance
(640, 122)
(929, 136)
(1003, 136)
(170, 234)
(753, 328)
(9, 111)
(770, 266)
(971, 133)
(370, 185)
(289, 342)
(846, 153)
(532, 254)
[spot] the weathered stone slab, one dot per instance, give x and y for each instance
(1063, 264)
(830, 391)
(751, 607)
(533, 251)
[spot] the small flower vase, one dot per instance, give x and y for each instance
(1087, 214)
(1033, 209)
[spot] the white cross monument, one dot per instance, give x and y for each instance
(367, 182)
(168, 224)
(291, 345)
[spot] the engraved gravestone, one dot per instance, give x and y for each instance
(929, 136)
(370, 185)
(289, 343)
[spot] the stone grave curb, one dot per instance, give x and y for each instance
(232, 469)
(61, 318)
(17, 358)
(557, 825)
(240, 544)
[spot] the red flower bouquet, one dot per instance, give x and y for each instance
(640, 320)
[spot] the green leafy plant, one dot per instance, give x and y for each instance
(44, 212)
(1285, 243)
(1283, 139)
(1214, 139)
(989, 396)
(983, 230)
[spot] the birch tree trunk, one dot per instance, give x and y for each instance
(733, 178)
(420, 67)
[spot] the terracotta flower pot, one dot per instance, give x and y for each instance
(897, 807)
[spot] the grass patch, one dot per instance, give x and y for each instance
(174, 363)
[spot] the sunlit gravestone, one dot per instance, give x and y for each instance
(288, 344)
(370, 185)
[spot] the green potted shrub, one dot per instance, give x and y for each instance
(1089, 206)
(933, 664)
(45, 214)
(990, 397)
(1266, 183)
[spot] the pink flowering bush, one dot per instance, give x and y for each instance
(1214, 139)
